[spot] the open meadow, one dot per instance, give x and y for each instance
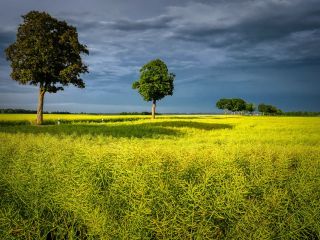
(175, 177)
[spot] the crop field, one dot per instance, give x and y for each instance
(175, 177)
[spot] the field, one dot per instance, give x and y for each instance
(177, 177)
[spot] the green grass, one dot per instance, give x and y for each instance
(178, 177)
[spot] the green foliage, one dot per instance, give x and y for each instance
(269, 109)
(262, 108)
(177, 177)
(233, 104)
(250, 107)
(10, 110)
(223, 103)
(155, 81)
(46, 53)
(238, 105)
(302, 113)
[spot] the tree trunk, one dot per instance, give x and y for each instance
(40, 106)
(153, 109)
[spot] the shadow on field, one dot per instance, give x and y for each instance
(126, 130)
(191, 124)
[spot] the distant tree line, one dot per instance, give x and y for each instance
(59, 112)
(11, 110)
(238, 105)
(302, 113)
(137, 113)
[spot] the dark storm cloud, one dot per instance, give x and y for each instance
(142, 25)
(262, 27)
(253, 32)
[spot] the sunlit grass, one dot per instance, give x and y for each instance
(177, 177)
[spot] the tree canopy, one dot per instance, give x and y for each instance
(224, 104)
(250, 107)
(155, 82)
(46, 53)
(233, 104)
(269, 109)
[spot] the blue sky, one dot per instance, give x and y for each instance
(259, 50)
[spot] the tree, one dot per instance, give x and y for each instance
(262, 108)
(250, 108)
(224, 104)
(155, 82)
(233, 104)
(46, 53)
(238, 105)
(269, 109)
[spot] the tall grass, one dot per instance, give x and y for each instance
(200, 177)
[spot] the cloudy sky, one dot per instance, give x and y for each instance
(259, 50)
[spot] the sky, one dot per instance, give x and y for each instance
(264, 51)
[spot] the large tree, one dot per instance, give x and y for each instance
(46, 53)
(155, 82)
